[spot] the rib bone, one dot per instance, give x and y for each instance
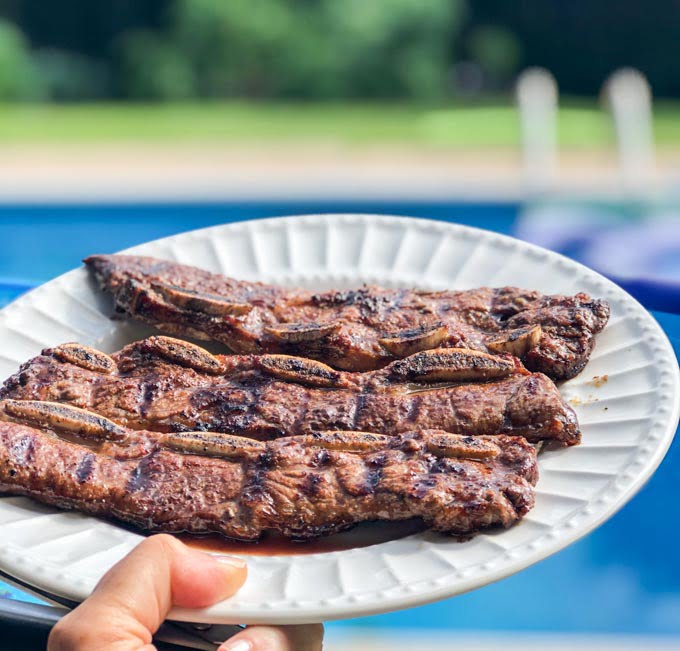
(200, 302)
(437, 443)
(184, 353)
(295, 333)
(452, 365)
(461, 447)
(62, 418)
(516, 342)
(225, 446)
(299, 369)
(408, 342)
(346, 441)
(85, 357)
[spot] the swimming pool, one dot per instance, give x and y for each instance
(623, 578)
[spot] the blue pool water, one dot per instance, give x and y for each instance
(623, 578)
(39, 242)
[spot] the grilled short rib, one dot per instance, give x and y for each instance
(359, 329)
(164, 384)
(300, 487)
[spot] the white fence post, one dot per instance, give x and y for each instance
(630, 101)
(537, 96)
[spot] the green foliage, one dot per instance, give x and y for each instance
(19, 77)
(152, 67)
(254, 49)
(496, 50)
(70, 76)
(324, 49)
(394, 47)
(234, 47)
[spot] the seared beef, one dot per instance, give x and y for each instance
(358, 329)
(166, 385)
(301, 487)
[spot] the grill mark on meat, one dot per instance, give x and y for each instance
(377, 461)
(22, 451)
(531, 386)
(265, 461)
(320, 459)
(253, 488)
(359, 404)
(368, 304)
(148, 391)
(414, 408)
(139, 477)
(373, 477)
(302, 415)
(448, 466)
(359, 317)
(424, 487)
(243, 419)
(85, 468)
(311, 484)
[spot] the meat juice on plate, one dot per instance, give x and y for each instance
(363, 535)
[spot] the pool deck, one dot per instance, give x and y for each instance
(148, 171)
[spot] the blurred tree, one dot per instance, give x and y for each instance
(71, 76)
(72, 41)
(393, 48)
(83, 26)
(497, 52)
(235, 47)
(19, 77)
(151, 67)
(583, 41)
(326, 49)
(333, 48)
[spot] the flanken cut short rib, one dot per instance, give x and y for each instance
(356, 330)
(301, 487)
(164, 384)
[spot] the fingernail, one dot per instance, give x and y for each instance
(236, 645)
(231, 561)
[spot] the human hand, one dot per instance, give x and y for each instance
(134, 597)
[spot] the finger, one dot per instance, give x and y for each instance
(277, 638)
(134, 597)
(162, 572)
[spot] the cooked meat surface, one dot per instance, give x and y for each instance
(300, 487)
(164, 384)
(360, 329)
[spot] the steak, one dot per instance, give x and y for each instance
(301, 487)
(165, 385)
(360, 329)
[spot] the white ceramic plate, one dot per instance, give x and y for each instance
(627, 421)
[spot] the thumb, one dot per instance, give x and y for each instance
(134, 597)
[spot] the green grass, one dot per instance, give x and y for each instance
(580, 126)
